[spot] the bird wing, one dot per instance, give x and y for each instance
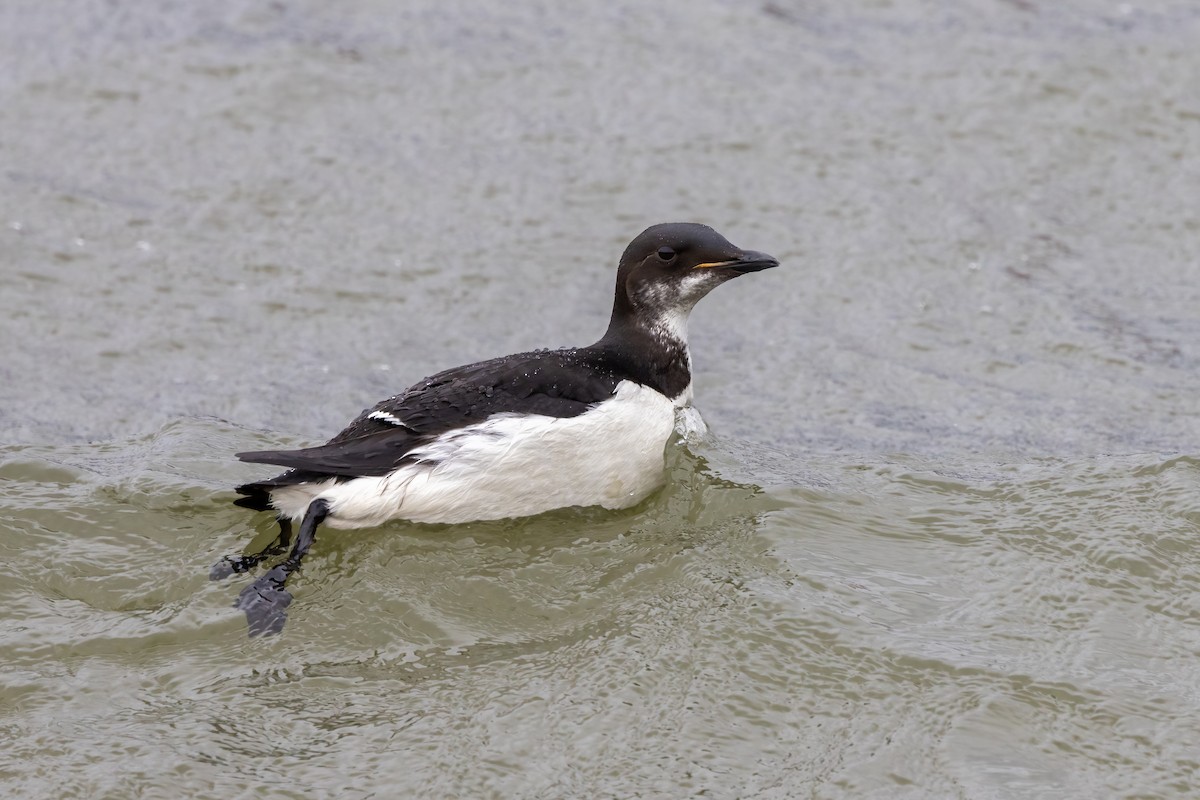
(559, 383)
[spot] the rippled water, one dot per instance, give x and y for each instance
(944, 540)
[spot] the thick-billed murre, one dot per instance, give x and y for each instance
(512, 436)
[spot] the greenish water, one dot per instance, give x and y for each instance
(944, 538)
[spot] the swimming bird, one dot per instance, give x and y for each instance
(511, 436)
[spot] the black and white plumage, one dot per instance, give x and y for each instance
(511, 436)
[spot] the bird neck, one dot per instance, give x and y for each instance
(653, 351)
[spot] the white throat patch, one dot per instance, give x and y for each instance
(671, 325)
(674, 303)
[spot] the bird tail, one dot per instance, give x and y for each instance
(257, 495)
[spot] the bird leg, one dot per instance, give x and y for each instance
(238, 564)
(266, 600)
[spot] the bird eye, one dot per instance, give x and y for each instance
(666, 253)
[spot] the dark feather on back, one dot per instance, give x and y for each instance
(554, 383)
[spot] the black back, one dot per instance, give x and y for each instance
(554, 383)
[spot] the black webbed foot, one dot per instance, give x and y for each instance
(231, 565)
(265, 602)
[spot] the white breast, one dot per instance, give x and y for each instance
(512, 465)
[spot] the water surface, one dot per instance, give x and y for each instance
(944, 537)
